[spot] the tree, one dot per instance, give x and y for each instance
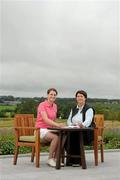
(28, 106)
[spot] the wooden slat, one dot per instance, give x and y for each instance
(99, 121)
(24, 120)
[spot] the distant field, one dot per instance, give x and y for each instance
(112, 124)
(8, 122)
(7, 107)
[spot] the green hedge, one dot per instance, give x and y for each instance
(111, 138)
(7, 142)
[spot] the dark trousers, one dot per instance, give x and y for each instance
(72, 145)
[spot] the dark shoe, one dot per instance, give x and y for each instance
(68, 164)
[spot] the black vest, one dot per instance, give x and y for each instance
(85, 108)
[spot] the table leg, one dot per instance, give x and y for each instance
(82, 152)
(64, 137)
(59, 150)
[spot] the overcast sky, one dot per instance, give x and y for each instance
(65, 44)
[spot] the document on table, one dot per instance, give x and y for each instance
(72, 126)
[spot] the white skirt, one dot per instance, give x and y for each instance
(44, 131)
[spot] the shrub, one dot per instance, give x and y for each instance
(112, 138)
(7, 139)
(6, 148)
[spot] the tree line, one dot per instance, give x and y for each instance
(110, 108)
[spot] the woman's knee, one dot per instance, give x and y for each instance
(50, 137)
(55, 137)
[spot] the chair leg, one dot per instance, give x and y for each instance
(37, 157)
(102, 152)
(95, 144)
(33, 154)
(16, 155)
(96, 155)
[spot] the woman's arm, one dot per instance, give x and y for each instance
(69, 119)
(49, 121)
(88, 118)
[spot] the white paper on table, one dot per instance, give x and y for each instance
(71, 126)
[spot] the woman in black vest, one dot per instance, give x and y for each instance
(81, 115)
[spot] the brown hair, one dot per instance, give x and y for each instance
(52, 89)
(81, 92)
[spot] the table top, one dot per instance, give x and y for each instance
(69, 128)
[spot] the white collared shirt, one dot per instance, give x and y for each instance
(78, 118)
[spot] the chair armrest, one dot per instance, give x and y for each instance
(101, 127)
(37, 133)
(98, 131)
(33, 128)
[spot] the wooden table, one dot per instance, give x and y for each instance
(62, 137)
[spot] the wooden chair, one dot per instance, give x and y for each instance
(98, 137)
(24, 126)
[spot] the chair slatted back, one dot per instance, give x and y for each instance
(99, 121)
(24, 120)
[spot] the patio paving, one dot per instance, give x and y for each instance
(25, 170)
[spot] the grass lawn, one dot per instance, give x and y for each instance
(7, 107)
(112, 124)
(6, 123)
(7, 136)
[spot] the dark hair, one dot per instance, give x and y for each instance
(81, 92)
(52, 89)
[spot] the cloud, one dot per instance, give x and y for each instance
(68, 45)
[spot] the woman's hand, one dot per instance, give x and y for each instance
(61, 125)
(81, 125)
(75, 124)
(78, 124)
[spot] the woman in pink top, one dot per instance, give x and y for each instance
(46, 116)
